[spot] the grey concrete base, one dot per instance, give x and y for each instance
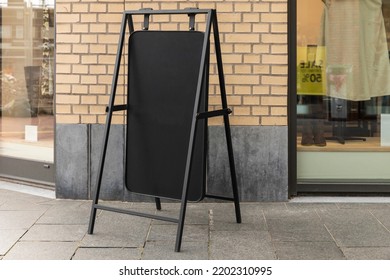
(261, 162)
(260, 157)
(72, 161)
(113, 172)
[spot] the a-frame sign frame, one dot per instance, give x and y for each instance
(196, 116)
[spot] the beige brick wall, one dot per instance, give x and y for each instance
(254, 44)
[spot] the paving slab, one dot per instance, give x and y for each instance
(363, 205)
(4, 197)
(297, 213)
(246, 207)
(241, 245)
(12, 195)
(257, 206)
(367, 253)
(226, 221)
(118, 230)
(23, 204)
(165, 250)
(20, 189)
(55, 233)
(42, 251)
(308, 251)
(33, 227)
(8, 238)
(15, 201)
(355, 228)
(311, 206)
(299, 229)
(196, 214)
(71, 213)
(191, 233)
(18, 219)
(107, 254)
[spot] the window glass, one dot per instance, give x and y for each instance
(26, 84)
(343, 90)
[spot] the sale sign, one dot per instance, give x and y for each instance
(311, 75)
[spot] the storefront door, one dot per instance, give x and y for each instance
(341, 97)
(26, 90)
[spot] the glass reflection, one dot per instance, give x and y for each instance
(26, 84)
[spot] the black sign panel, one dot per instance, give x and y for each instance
(162, 81)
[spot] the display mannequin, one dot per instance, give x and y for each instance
(355, 38)
(357, 59)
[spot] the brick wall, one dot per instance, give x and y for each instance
(254, 43)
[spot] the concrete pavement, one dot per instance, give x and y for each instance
(34, 225)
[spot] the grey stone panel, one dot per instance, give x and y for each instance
(112, 187)
(261, 162)
(71, 156)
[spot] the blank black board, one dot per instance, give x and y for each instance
(162, 82)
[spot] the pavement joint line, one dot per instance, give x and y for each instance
(334, 239)
(372, 214)
(210, 224)
(318, 214)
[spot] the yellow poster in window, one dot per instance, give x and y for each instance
(311, 70)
